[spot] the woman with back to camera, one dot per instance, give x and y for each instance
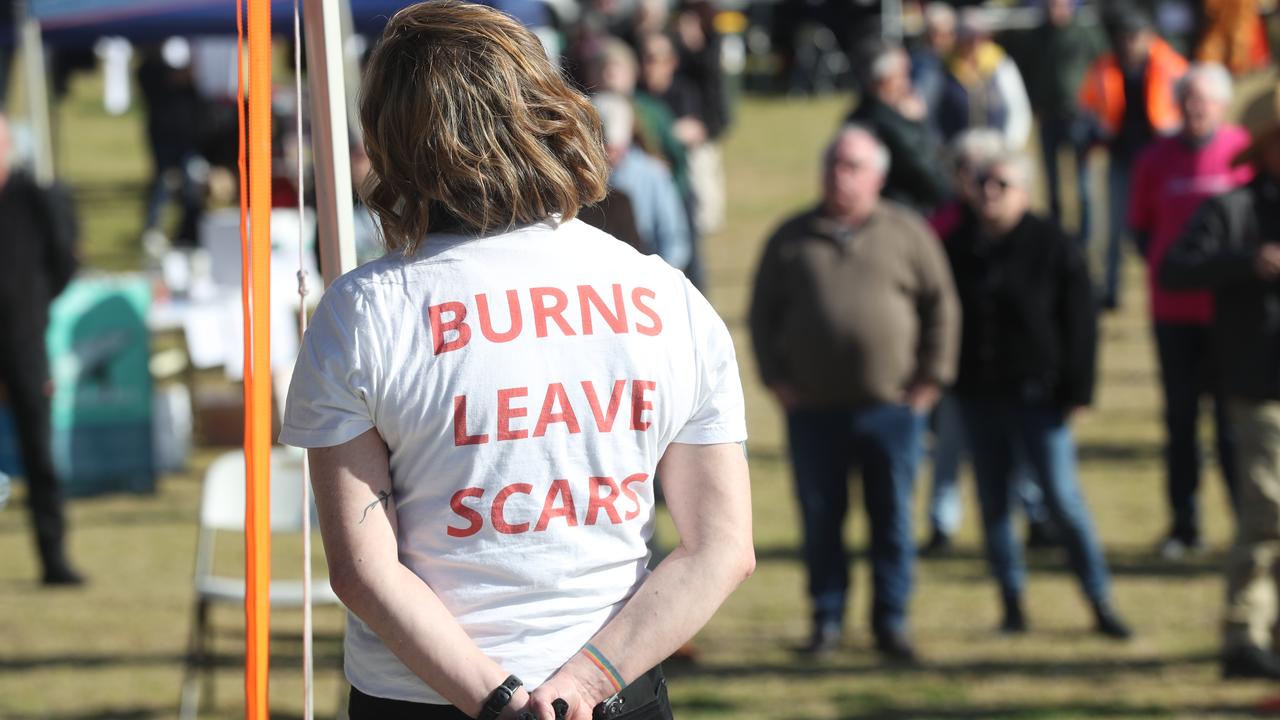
(486, 405)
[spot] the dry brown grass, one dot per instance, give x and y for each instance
(115, 649)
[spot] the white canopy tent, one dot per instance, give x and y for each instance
(328, 27)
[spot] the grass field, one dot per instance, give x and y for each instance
(115, 649)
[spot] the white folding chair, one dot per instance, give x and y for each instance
(222, 509)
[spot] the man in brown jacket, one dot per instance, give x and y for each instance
(855, 327)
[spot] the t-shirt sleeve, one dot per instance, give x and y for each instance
(719, 413)
(330, 396)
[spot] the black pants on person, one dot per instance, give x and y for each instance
(1186, 372)
(644, 699)
(24, 372)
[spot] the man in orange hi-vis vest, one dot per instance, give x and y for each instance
(1129, 92)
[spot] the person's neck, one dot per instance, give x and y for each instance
(618, 155)
(851, 220)
(659, 87)
(998, 228)
(1198, 142)
(889, 97)
(1138, 63)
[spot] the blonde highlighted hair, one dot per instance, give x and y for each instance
(470, 129)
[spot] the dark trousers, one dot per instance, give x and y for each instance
(1186, 372)
(1119, 177)
(644, 699)
(172, 168)
(24, 371)
(886, 441)
(1054, 133)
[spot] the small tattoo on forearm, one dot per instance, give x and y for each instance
(384, 498)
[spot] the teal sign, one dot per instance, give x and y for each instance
(99, 355)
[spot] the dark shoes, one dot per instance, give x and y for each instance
(1108, 623)
(940, 545)
(60, 574)
(1042, 535)
(826, 639)
(1015, 621)
(1250, 663)
(897, 649)
(1177, 547)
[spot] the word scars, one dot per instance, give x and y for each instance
(473, 506)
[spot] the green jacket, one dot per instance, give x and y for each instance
(1053, 61)
(915, 168)
(655, 127)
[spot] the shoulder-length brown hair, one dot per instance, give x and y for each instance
(470, 129)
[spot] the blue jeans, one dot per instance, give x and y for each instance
(1118, 180)
(885, 440)
(998, 430)
(945, 508)
(1186, 357)
(1054, 133)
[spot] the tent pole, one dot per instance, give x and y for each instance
(350, 64)
(37, 81)
(330, 137)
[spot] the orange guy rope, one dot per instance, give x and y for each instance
(308, 672)
(247, 309)
(255, 237)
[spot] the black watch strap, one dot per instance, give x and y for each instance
(500, 698)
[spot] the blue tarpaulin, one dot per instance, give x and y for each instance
(82, 22)
(79, 23)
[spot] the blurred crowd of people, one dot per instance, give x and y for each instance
(922, 291)
(921, 295)
(654, 70)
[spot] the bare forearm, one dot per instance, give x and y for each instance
(708, 491)
(672, 605)
(415, 625)
(676, 601)
(359, 524)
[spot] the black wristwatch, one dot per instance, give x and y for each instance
(499, 699)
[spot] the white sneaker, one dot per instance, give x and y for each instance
(1175, 548)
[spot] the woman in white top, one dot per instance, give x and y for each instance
(486, 405)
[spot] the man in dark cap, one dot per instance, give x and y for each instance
(1232, 247)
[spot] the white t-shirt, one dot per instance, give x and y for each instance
(522, 451)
